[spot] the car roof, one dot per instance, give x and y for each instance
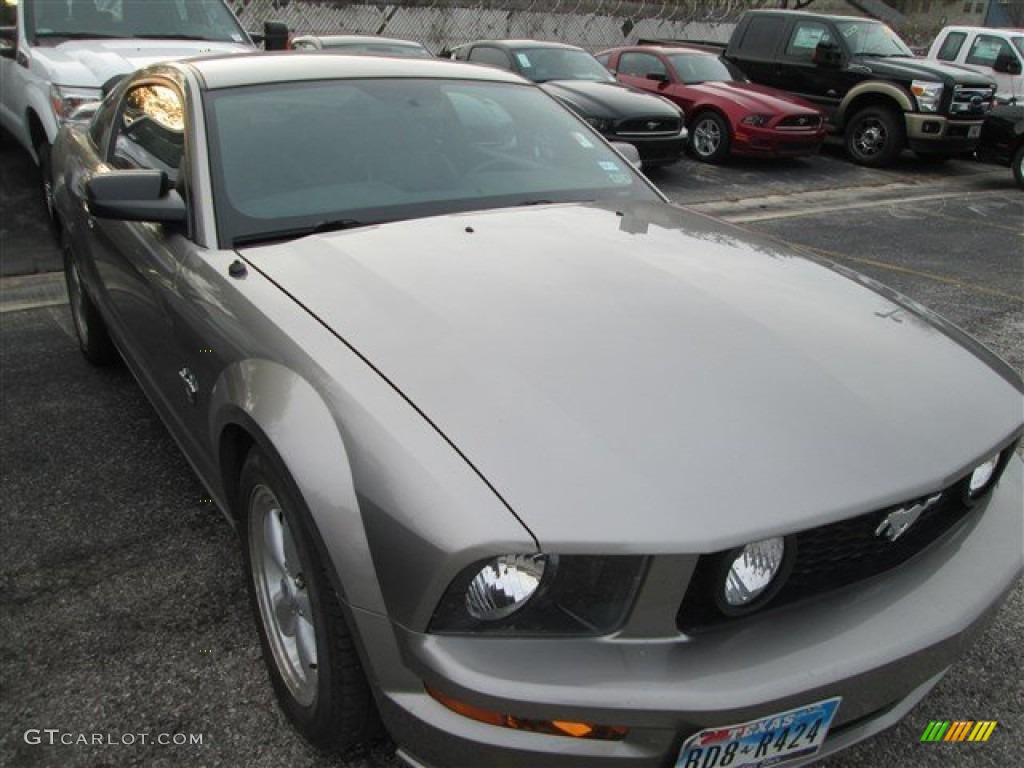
(359, 40)
(811, 15)
(664, 50)
(524, 43)
(231, 70)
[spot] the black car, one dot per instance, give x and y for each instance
(1002, 139)
(650, 123)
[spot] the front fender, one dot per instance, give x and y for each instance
(875, 88)
(38, 108)
(290, 421)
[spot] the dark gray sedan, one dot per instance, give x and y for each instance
(529, 467)
(654, 125)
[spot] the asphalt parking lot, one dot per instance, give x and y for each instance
(123, 603)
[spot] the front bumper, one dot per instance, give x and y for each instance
(939, 135)
(665, 686)
(654, 150)
(753, 141)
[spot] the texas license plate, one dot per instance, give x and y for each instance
(775, 740)
(974, 132)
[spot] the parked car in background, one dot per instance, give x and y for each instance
(56, 55)
(368, 44)
(1002, 139)
(528, 464)
(652, 124)
(998, 53)
(725, 114)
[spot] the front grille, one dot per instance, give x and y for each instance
(800, 123)
(832, 556)
(971, 101)
(649, 126)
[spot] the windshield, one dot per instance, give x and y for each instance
(872, 39)
(699, 68)
(543, 64)
(289, 158)
(183, 19)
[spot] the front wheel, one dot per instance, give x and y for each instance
(46, 176)
(875, 136)
(709, 138)
(1018, 166)
(307, 645)
(91, 331)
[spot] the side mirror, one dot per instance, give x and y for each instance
(629, 152)
(1007, 64)
(134, 196)
(275, 36)
(827, 54)
(658, 77)
(8, 42)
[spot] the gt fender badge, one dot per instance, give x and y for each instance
(898, 522)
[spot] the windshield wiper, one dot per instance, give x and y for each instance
(164, 36)
(80, 35)
(327, 225)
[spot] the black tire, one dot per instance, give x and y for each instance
(322, 689)
(46, 179)
(709, 137)
(1018, 166)
(93, 338)
(875, 136)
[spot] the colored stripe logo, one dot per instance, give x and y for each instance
(959, 730)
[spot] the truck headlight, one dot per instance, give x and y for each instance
(599, 124)
(65, 100)
(928, 95)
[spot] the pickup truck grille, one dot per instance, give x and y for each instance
(971, 101)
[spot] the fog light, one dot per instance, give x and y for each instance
(504, 585)
(982, 476)
(752, 572)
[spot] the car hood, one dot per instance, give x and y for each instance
(91, 63)
(923, 69)
(647, 380)
(610, 100)
(755, 98)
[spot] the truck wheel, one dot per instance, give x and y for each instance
(709, 138)
(46, 174)
(874, 136)
(1018, 166)
(307, 644)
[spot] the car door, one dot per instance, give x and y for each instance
(801, 73)
(643, 70)
(985, 52)
(137, 264)
(491, 55)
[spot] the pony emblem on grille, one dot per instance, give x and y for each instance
(898, 522)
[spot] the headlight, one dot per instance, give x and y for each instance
(65, 100)
(982, 476)
(752, 575)
(928, 94)
(599, 124)
(540, 594)
(756, 120)
(504, 585)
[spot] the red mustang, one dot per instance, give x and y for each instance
(726, 115)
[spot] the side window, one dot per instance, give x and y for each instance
(641, 65)
(150, 130)
(951, 46)
(805, 38)
(605, 59)
(761, 35)
(100, 124)
(492, 56)
(986, 49)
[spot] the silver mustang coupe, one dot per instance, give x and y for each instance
(529, 467)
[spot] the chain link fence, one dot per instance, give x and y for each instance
(591, 24)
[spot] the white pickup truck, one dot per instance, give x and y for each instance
(56, 55)
(998, 53)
